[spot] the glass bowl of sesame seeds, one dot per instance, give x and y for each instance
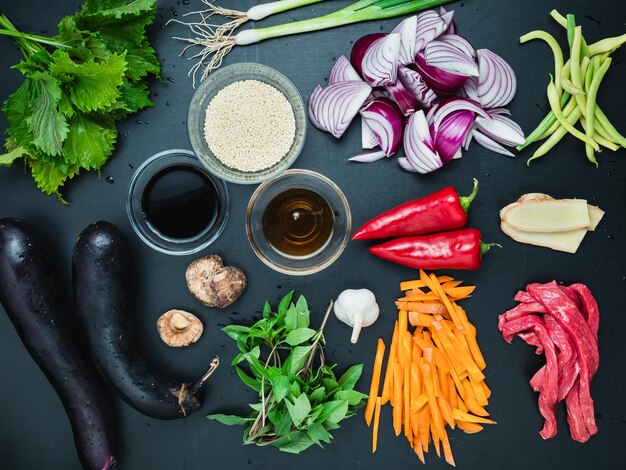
(247, 123)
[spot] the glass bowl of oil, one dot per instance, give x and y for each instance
(299, 222)
(175, 205)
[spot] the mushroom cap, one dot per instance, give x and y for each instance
(228, 284)
(178, 328)
(199, 275)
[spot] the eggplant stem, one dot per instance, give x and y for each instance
(198, 384)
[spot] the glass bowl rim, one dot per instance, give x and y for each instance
(191, 158)
(293, 154)
(338, 251)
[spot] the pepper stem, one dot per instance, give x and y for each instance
(485, 247)
(467, 200)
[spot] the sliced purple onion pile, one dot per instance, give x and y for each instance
(422, 86)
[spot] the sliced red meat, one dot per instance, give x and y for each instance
(549, 390)
(565, 311)
(575, 416)
(589, 307)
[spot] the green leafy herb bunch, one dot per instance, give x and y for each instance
(300, 398)
(78, 84)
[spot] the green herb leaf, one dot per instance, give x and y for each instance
(49, 128)
(267, 309)
(318, 394)
(349, 379)
(291, 318)
(235, 331)
(353, 397)
(333, 411)
(330, 385)
(8, 158)
(254, 384)
(229, 420)
(284, 426)
(90, 141)
(298, 358)
(299, 410)
(284, 303)
(295, 443)
(118, 8)
(318, 433)
(48, 178)
(280, 387)
(94, 86)
(299, 336)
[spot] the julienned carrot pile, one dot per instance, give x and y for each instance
(434, 373)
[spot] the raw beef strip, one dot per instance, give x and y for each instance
(549, 390)
(589, 307)
(567, 314)
(575, 417)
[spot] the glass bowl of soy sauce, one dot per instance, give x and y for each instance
(298, 223)
(175, 205)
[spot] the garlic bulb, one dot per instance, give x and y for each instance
(356, 308)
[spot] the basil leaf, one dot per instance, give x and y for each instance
(298, 358)
(299, 410)
(333, 411)
(295, 443)
(280, 387)
(284, 426)
(318, 433)
(349, 379)
(267, 309)
(284, 303)
(254, 384)
(229, 420)
(291, 318)
(351, 396)
(235, 331)
(330, 385)
(299, 336)
(318, 394)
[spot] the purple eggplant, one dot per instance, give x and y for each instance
(31, 297)
(101, 269)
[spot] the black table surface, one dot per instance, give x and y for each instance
(34, 431)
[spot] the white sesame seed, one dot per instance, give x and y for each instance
(250, 125)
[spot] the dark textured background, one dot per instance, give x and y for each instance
(34, 431)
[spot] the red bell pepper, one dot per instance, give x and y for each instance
(441, 211)
(459, 249)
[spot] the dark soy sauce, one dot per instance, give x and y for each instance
(180, 202)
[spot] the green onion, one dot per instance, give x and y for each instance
(217, 42)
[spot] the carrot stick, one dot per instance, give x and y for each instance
(391, 360)
(375, 383)
(450, 284)
(446, 411)
(416, 284)
(432, 401)
(417, 447)
(423, 418)
(462, 416)
(435, 441)
(403, 320)
(407, 394)
(486, 389)
(469, 428)
(397, 399)
(376, 422)
(447, 450)
(452, 393)
(459, 292)
(437, 289)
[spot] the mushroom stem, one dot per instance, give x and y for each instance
(356, 329)
(178, 322)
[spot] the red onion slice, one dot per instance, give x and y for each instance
(459, 42)
(343, 71)
(451, 134)
(361, 46)
(369, 157)
(335, 106)
(406, 29)
(446, 55)
(440, 81)
(402, 97)
(470, 89)
(418, 145)
(448, 19)
(386, 122)
(496, 81)
(380, 62)
(416, 85)
(429, 26)
(312, 116)
(453, 105)
(368, 139)
(501, 129)
(490, 144)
